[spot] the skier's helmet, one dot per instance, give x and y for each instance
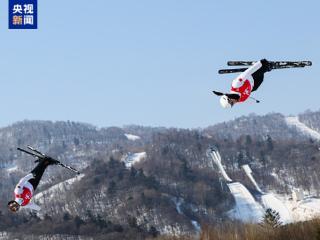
(13, 206)
(224, 101)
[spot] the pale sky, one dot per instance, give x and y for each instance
(154, 63)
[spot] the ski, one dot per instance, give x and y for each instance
(40, 155)
(240, 63)
(35, 150)
(273, 65)
(280, 65)
(235, 70)
(69, 167)
(30, 153)
(277, 64)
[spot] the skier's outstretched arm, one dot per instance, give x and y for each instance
(218, 93)
(255, 67)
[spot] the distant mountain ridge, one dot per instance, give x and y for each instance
(173, 189)
(275, 125)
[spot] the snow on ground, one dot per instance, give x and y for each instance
(9, 167)
(304, 210)
(172, 230)
(269, 200)
(178, 202)
(294, 121)
(196, 225)
(289, 210)
(132, 137)
(12, 169)
(247, 209)
(131, 158)
(51, 192)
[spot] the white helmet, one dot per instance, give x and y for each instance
(224, 102)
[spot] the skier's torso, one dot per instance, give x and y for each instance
(242, 86)
(244, 83)
(24, 191)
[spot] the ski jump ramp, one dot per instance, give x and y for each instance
(248, 171)
(269, 200)
(215, 157)
(247, 209)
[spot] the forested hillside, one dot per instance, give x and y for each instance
(145, 182)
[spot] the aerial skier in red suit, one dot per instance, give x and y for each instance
(250, 79)
(24, 190)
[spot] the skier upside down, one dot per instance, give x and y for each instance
(26, 187)
(250, 79)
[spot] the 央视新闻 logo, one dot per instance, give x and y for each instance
(23, 14)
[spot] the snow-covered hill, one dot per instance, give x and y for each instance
(51, 193)
(277, 126)
(303, 128)
(133, 173)
(132, 137)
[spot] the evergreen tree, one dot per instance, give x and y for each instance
(271, 218)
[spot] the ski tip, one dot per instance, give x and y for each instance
(306, 63)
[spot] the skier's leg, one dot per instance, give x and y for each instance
(259, 74)
(37, 173)
(258, 79)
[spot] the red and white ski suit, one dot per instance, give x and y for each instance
(244, 83)
(23, 193)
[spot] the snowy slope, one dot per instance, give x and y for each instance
(12, 169)
(247, 209)
(132, 137)
(178, 202)
(304, 210)
(51, 192)
(270, 201)
(294, 121)
(131, 158)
